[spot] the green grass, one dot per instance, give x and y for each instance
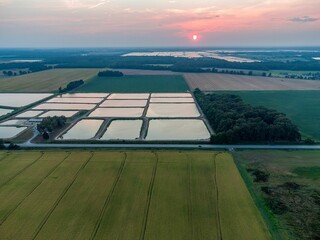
(136, 84)
(302, 107)
(308, 172)
(296, 166)
(127, 195)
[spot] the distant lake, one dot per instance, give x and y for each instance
(21, 61)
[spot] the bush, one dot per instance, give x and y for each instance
(13, 146)
(276, 206)
(45, 135)
(260, 176)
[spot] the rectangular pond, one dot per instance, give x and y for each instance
(10, 132)
(65, 106)
(21, 99)
(82, 130)
(171, 95)
(129, 96)
(29, 114)
(171, 100)
(4, 111)
(16, 122)
(124, 103)
(67, 114)
(84, 95)
(117, 112)
(172, 110)
(123, 130)
(75, 100)
(177, 129)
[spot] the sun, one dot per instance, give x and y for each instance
(195, 37)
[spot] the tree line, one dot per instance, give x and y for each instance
(71, 85)
(234, 121)
(110, 73)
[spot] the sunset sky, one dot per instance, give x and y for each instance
(129, 23)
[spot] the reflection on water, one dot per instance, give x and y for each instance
(84, 129)
(175, 129)
(10, 132)
(172, 110)
(123, 129)
(117, 112)
(20, 99)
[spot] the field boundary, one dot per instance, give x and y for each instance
(149, 198)
(43, 222)
(108, 199)
(272, 223)
(215, 180)
(190, 209)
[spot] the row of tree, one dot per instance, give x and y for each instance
(237, 122)
(110, 73)
(71, 85)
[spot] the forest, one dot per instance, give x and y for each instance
(234, 121)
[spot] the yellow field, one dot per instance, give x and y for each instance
(45, 81)
(125, 195)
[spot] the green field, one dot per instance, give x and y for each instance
(302, 107)
(45, 81)
(125, 195)
(290, 197)
(136, 84)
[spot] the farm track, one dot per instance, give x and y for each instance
(43, 179)
(22, 170)
(108, 199)
(150, 191)
(4, 156)
(215, 180)
(43, 222)
(190, 209)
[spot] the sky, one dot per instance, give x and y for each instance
(159, 23)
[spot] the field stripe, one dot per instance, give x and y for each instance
(238, 213)
(124, 214)
(190, 206)
(34, 208)
(76, 214)
(168, 214)
(97, 226)
(12, 208)
(4, 156)
(43, 222)
(218, 219)
(150, 191)
(202, 194)
(21, 170)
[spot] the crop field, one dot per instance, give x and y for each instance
(290, 195)
(125, 195)
(45, 81)
(302, 107)
(220, 82)
(136, 84)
